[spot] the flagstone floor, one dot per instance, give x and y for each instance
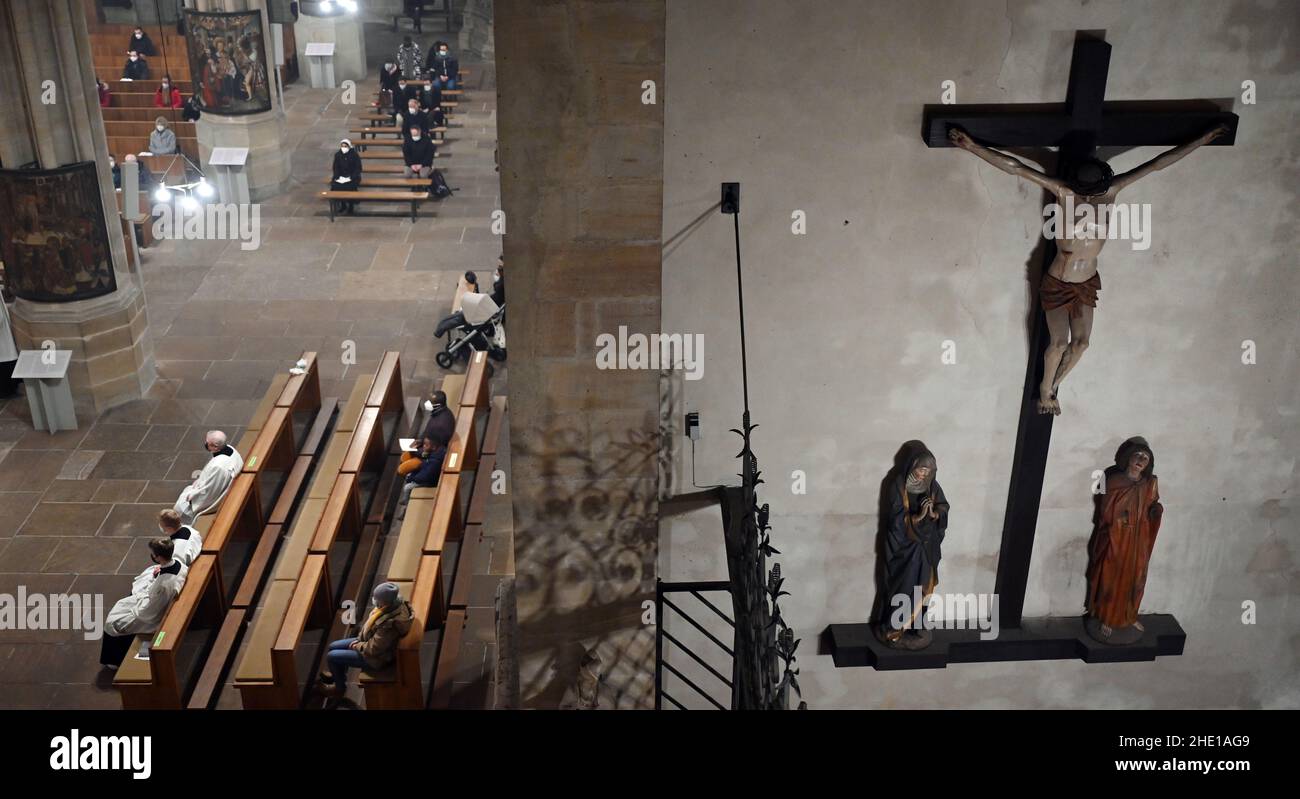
(76, 507)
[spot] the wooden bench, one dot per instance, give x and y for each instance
(157, 683)
(369, 134)
(401, 686)
(304, 574)
(412, 197)
(399, 183)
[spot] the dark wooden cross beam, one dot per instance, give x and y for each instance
(1085, 123)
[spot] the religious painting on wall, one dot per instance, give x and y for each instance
(52, 234)
(228, 61)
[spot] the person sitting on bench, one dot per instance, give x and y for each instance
(389, 77)
(141, 43)
(375, 647)
(212, 483)
(187, 540)
(141, 613)
(105, 94)
(136, 67)
(146, 177)
(499, 282)
(442, 66)
(167, 95)
(413, 116)
(417, 152)
(426, 469)
(347, 173)
(442, 422)
(162, 141)
(430, 96)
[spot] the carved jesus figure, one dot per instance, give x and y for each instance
(1069, 287)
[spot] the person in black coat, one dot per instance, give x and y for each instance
(141, 43)
(430, 95)
(402, 95)
(413, 116)
(418, 152)
(442, 423)
(389, 77)
(190, 112)
(442, 66)
(499, 282)
(136, 68)
(347, 173)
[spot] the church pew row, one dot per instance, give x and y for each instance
(145, 115)
(159, 682)
(301, 595)
(122, 146)
(142, 128)
(435, 518)
(371, 134)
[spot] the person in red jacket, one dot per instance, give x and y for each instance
(167, 95)
(105, 95)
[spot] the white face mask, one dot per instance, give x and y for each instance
(165, 84)
(344, 150)
(415, 137)
(160, 128)
(135, 58)
(413, 109)
(139, 35)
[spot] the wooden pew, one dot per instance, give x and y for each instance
(401, 686)
(412, 197)
(156, 683)
(395, 183)
(300, 595)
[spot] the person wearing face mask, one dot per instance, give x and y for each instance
(347, 173)
(163, 140)
(187, 541)
(152, 593)
(136, 68)
(418, 152)
(167, 95)
(408, 59)
(105, 94)
(400, 97)
(389, 77)
(117, 172)
(430, 96)
(499, 282)
(146, 177)
(413, 117)
(141, 43)
(442, 66)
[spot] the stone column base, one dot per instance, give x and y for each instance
(264, 136)
(112, 352)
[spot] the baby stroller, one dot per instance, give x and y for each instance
(478, 325)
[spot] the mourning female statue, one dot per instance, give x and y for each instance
(914, 529)
(1069, 288)
(1126, 522)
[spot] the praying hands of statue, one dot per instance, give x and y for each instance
(1069, 286)
(926, 510)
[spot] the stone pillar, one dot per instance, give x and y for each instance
(345, 30)
(264, 134)
(476, 38)
(582, 186)
(52, 118)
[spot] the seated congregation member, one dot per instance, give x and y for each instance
(375, 647)
(417, 153)
(187, 541)
(141, 43)
(389, 77)
(402, 95)
(422, 469)
(437, 119)
(413, 116)
(213, 481)
(146, 177)
(442, 422)
(141, 613)
(191, 112)
(408, 59)
(136, 68)
(117, 172)
(163, 139)
(167, 95)
(347, 173)
(430, 95)
(105, 94)
(442, 66)
(499, 282)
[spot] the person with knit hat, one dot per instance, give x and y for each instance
(163, 140)
(375, 647)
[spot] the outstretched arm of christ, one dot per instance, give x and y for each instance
(1166, 159)
(1007, 163)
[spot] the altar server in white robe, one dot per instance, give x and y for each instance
(141, 613)
(187, 540)
(212, 483)
(8, 355)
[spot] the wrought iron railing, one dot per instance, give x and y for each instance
(662, 602)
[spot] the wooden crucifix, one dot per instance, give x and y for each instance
(1086, 123)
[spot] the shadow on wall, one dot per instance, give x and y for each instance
(586, 587)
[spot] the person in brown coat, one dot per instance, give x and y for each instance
(376, 645)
